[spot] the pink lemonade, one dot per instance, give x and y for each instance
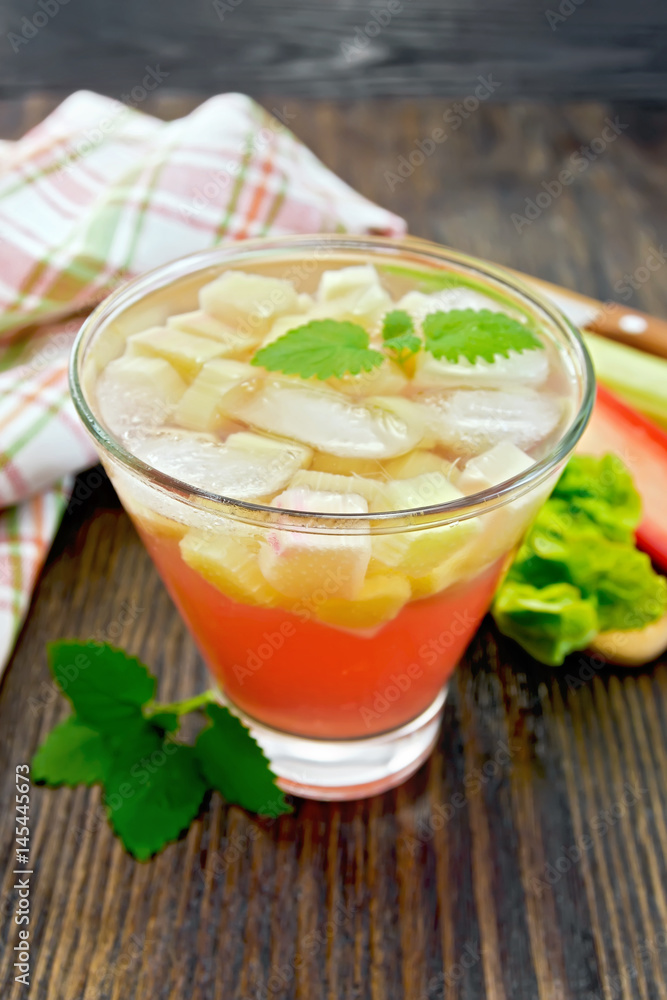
(298, 675)
(331, 508)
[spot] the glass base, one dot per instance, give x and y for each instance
(336, 770)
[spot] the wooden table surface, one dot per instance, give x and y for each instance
(556, 49)
(547, 876)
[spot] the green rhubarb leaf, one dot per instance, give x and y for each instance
(578, 571)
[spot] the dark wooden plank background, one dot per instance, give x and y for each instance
(604, 49)
(543, 876)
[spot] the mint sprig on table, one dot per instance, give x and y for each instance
(119, 737)
(328, 348)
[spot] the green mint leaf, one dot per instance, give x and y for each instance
(404, 346)
(167, 722)
(397, 323)
(398, 334)
(323, 348)
(476, 334)
(105, 686)
(72, 754)
(153, 791)
(154, 786)
(235, 765)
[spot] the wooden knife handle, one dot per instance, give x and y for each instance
(611, 319)
(632, 327)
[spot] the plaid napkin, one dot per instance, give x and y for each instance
(99, 192)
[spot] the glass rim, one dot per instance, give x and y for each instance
(463, 508)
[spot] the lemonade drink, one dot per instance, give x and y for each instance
(319, 451)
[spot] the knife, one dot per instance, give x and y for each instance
(610, 319)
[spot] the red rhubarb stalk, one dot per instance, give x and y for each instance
(642, 446)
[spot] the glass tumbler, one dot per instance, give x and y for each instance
(344, 695)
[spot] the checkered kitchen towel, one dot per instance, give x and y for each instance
(96, 193)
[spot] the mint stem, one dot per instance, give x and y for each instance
(186, 705)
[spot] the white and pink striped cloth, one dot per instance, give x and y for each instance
(96, 193)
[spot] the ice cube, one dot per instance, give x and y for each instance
(521, 367)
(469, 421)
(246, 467)
(200, 407)
(316, 566)
(185, 351)
(250, 302)
(328, 421)
(137, 392)
(408, 411)
(503, 528)
(234, 342)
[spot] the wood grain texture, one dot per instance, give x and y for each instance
(527, 860)
(601, 49)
